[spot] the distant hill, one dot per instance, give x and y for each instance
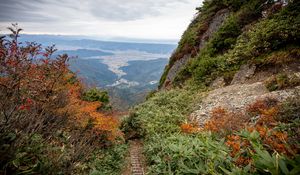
(144, 71)
(72, 41)
(92, 72)
(84, 53)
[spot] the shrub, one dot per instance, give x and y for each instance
(95, 94)
(109, 161)
(290, 109)
(282, 81)
(182, 154)
(131, 126)
(261, 106)
(226, 36)
(189, 128)
(45, 126)
(279, 58)
(223, 121)
(249, 146)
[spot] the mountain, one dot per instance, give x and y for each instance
(136, 70)
(228, 100)
(82, 53)
(92, 72)
(143, 75)
(62, 42)
(127, 70)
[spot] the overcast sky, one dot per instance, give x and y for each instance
(138, 19)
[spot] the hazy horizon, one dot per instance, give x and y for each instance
(108, 39)
(113, 20)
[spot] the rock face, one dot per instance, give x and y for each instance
(236, 98)
(218, 83)
(214, 25)
(246, 71)
(178, 65)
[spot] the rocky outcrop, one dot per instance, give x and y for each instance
(177, 66)
(246, 72)
(214, 25)
(218, 83)
(236, 98)
(246, 87)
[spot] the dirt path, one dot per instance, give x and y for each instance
(137, 163)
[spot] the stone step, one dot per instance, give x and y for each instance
(135, 158)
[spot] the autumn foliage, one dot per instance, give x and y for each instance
(45, 125)
(260, 121)
(261, 118)
(224, 121)
(189, 128)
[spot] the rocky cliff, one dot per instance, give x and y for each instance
(239, 52)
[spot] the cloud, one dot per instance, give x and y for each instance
(121, 18)
(123, 10)
(113, 10)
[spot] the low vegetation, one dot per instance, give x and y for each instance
(101, 96)
(282, 81)
(262, 140)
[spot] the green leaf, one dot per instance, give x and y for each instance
(283, 166)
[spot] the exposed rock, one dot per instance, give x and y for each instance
(215, 24)
(177, 66)
(262, 74)
(274, 8)
(218, 83)
(246, 71)
(236, 98)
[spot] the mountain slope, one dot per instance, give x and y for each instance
(228, 101)
(247, 33)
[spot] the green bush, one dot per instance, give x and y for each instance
(160, 115)
(184, 154)
(109, 161)
(31, 156)
(268, 35)
(95, 94)
(131, 126)
(275, 163)
(227, 35)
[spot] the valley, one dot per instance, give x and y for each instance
(128, 71)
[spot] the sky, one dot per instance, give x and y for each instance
(106, 19)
